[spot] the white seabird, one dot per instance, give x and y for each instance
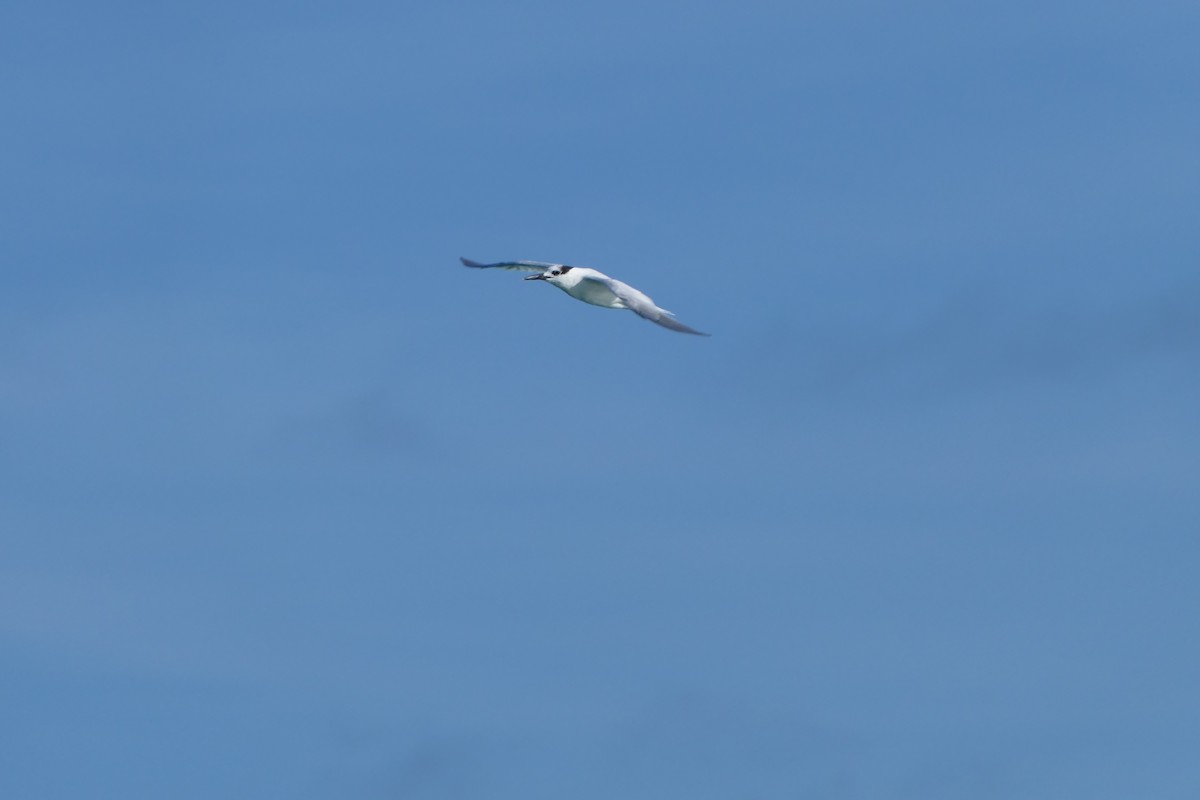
(592, 286)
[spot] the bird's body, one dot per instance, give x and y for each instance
(591, 286)
(594, 287)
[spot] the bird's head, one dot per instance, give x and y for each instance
(554, 275)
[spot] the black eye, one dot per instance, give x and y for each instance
(554, 272)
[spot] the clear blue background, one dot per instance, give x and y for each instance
(293, 505)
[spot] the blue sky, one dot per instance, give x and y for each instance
(297, 506)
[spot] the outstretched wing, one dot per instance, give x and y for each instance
(644, 307)
(519, 266)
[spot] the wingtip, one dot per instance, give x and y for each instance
(679, 326)
(670, 323)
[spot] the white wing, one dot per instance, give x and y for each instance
(520, 266)
(643, 306)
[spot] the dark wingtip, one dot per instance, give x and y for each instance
(670, 323)
(469, 263)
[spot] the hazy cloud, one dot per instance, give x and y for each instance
(372, 424)
(980, 339)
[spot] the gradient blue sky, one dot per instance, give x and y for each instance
(296, 506)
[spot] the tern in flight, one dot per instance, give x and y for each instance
(592, 286)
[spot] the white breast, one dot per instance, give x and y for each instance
(594, 292)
